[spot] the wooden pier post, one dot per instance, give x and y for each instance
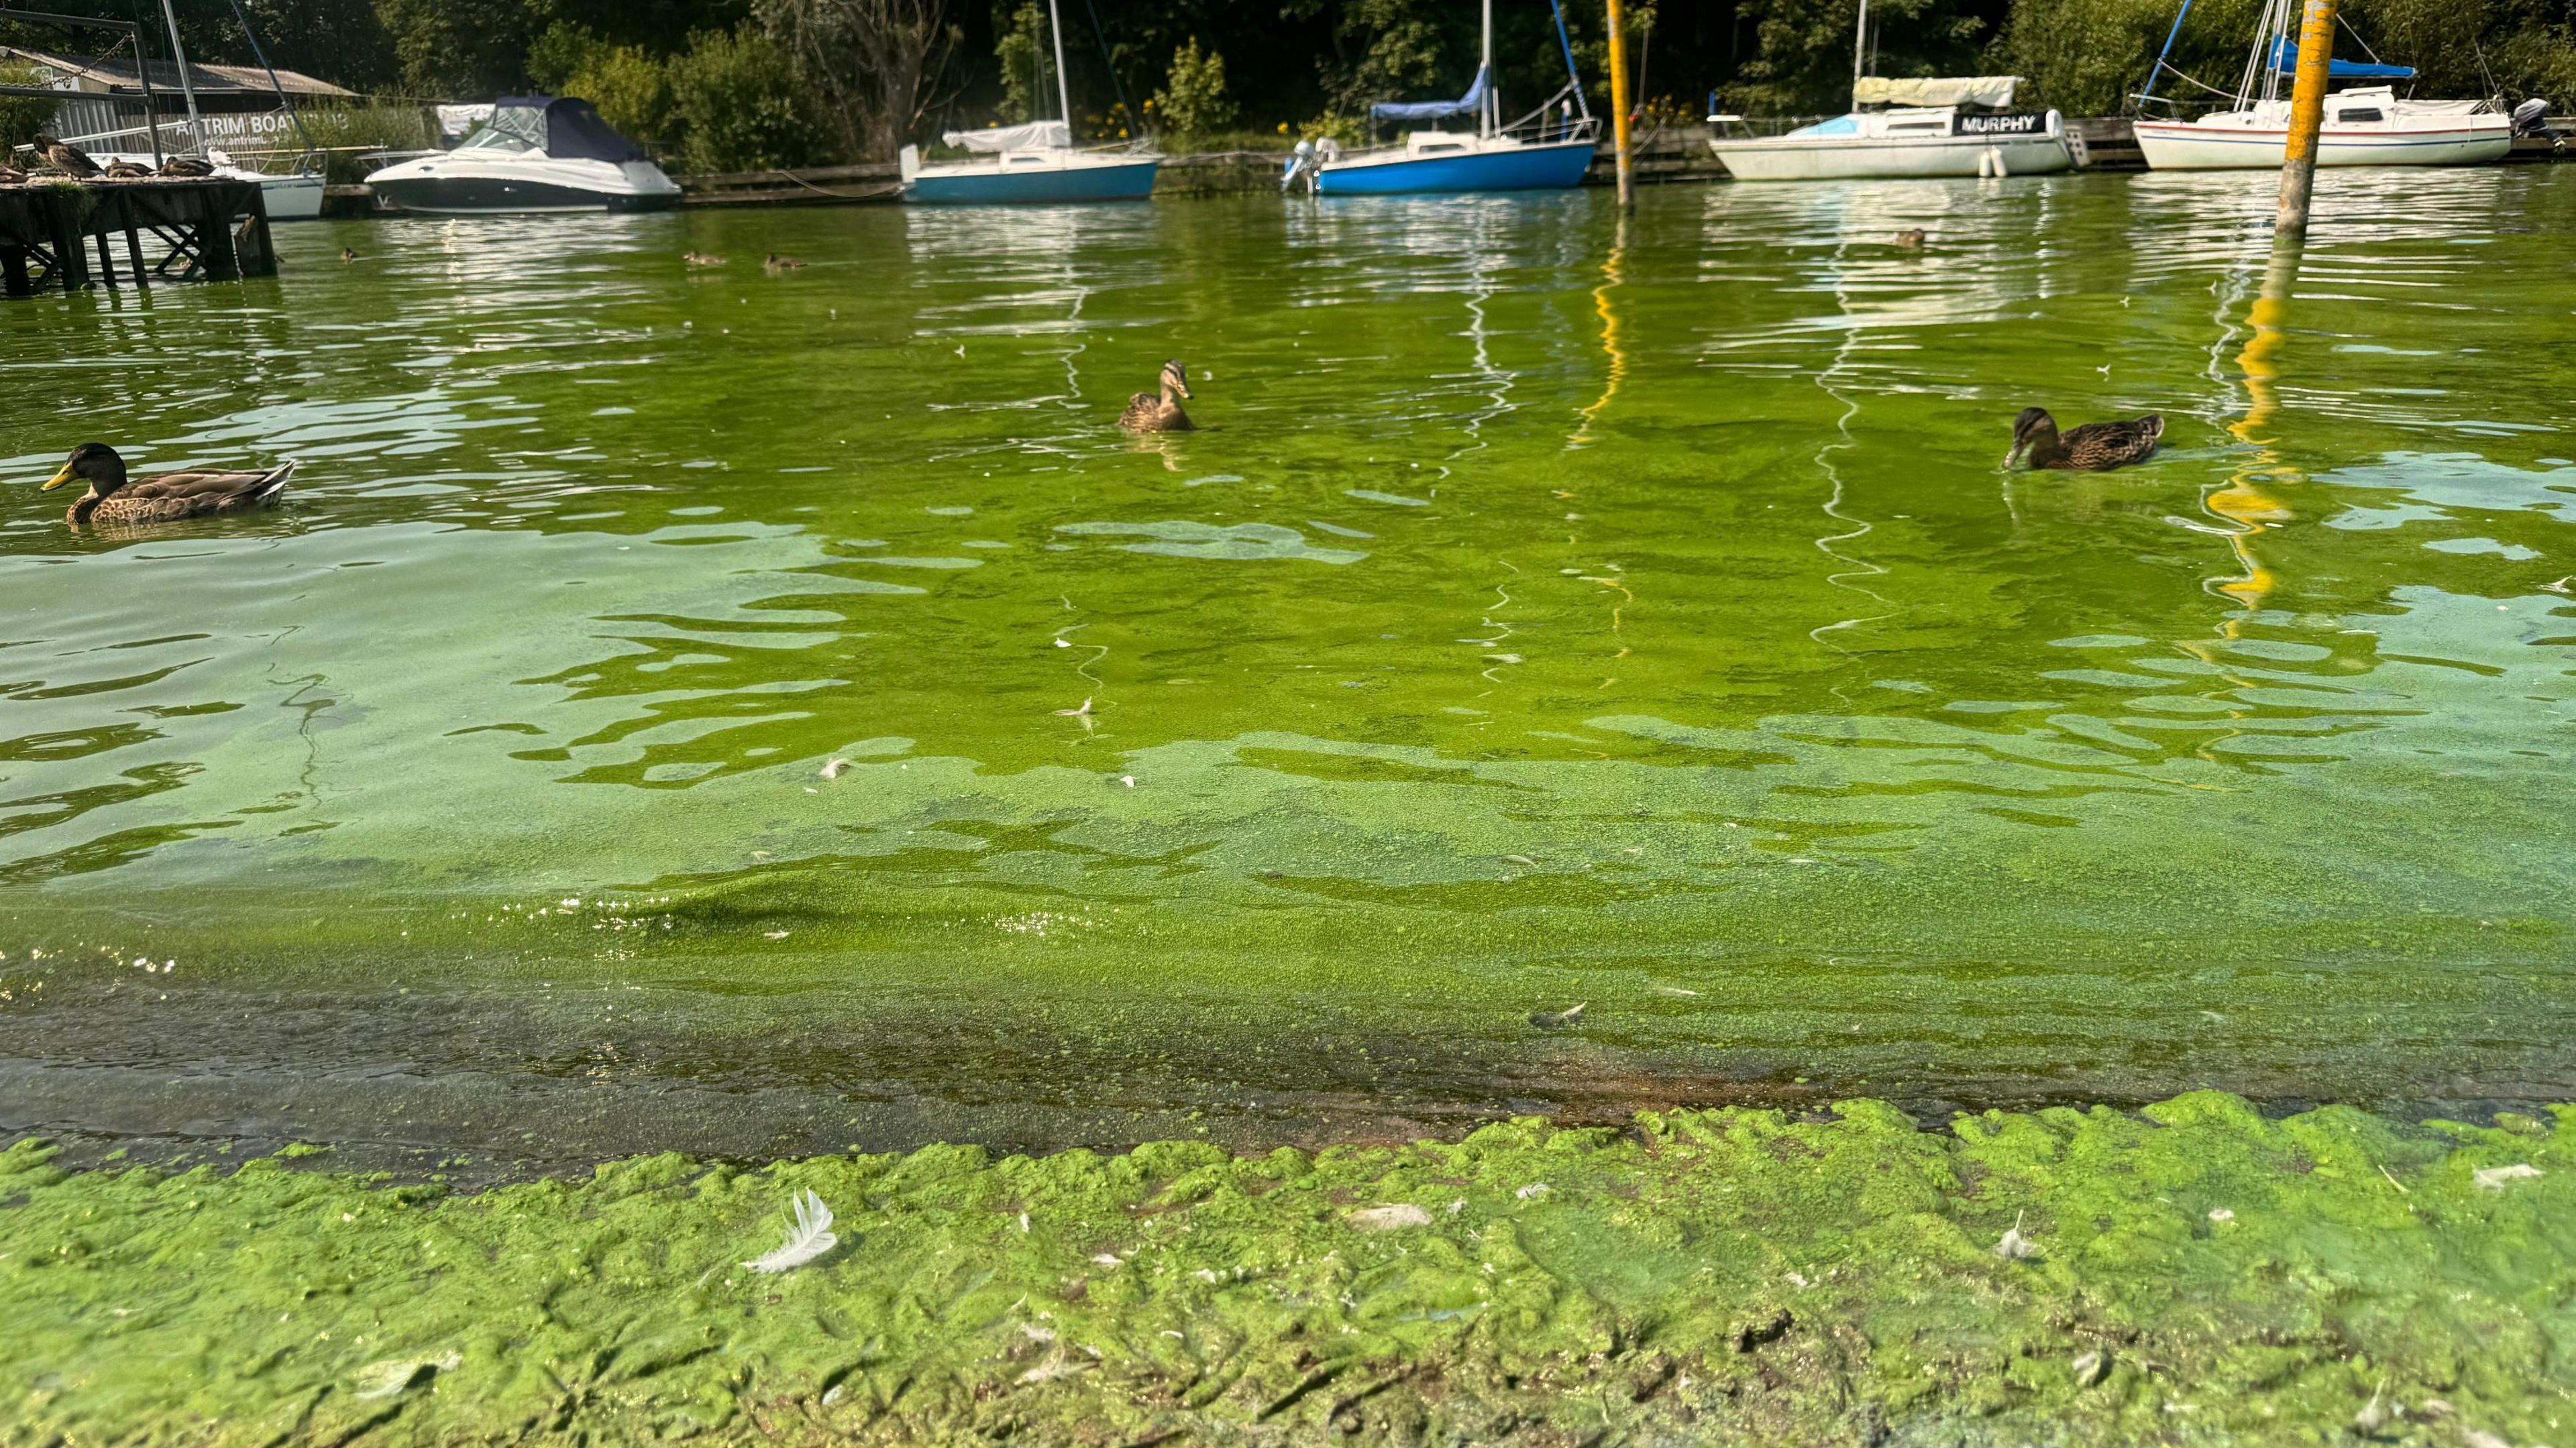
(2307, 117)
(1619, 104)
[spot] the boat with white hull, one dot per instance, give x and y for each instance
(536, 153)
(1959, 139)
(2365, 125)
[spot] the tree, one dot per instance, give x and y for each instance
(1022, 52)
(869, 65)
(1803, 61)
(467, 49)
(1193, 102)
(737, 104)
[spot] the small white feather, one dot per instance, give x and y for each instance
(2494, 1177)
(811, 1239)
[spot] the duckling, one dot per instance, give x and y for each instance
(1910, 240)
(1149, 412)
(126, 171)
(187, 166)
(2090, 447)
(70, 160)
(111, 499)
(774, 263)
(702, 258)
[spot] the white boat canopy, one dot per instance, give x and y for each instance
(1958, 90)
(1035, 136)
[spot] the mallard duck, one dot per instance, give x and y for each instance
(126, 171)
(1911, 240)
(701, 258)
(11, 175)
(70, 160)
(1152, 412)
(348, 254)
(164, 499)
(776, 263)
(187, 166)
(2090, 447)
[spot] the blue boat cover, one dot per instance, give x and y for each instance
(563, 127)
(2285, 57)
(1473, 100)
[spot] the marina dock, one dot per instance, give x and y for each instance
(66, 235)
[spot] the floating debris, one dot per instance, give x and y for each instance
(2374, 1414)
(1082, 713)
(387, 1379)
(1387, 1219)
(1534, 1189)
(832, 768)
(811, 1239)
(2015, 1247)
(2091, 1368)
(2493, 1178)
(2221, 1214)
(1553, 1020)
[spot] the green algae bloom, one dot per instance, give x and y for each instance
(2195, 1273)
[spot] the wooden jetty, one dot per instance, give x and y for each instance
(61, 233)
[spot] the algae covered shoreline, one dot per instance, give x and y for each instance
(2194, 1272)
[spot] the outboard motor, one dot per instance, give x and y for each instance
(2531, 118)
(1298, 160)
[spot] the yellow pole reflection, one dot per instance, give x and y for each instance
(1614, 273)
(2249, 500)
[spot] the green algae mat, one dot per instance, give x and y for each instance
(2191, 1274)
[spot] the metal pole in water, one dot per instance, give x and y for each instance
(2307, 116)
(1619, 103)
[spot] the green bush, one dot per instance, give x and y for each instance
(736, 104)
(1192, 103)
(386, 127)
(1022, 52)
(21, 117)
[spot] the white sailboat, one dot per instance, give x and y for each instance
(1031, 164)
(1945, 126)
(2368, 125)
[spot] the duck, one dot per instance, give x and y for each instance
(1160, 412)
(112, 499)
(70, 160)
(126, 171)
(348, 253)
(776, 263)
(187, 166)
(1910, 240)
(11, 175)
(702, 258)
(2089, 447)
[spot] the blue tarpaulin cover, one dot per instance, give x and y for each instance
(2285, 57)
(1473, 100)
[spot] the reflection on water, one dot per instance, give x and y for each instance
(1550, 606)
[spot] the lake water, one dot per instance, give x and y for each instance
(1547, 611)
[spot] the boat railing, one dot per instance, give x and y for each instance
(1541, 129)
(1756, 128)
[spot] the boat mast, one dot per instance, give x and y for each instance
(1860, 50)
(1485, 70)
(1063, 95)
(196, 128)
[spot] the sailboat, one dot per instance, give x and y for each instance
(1035, 163)
(295, 196)
(2364, 125)
(1947, 126)
(1548, 148)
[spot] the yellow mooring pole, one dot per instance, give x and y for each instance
(2307, 115)
(1619, 102)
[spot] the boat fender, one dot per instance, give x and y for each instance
(907, 162)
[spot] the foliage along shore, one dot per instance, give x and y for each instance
(2192, 1273)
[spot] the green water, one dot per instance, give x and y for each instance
(1545, 612)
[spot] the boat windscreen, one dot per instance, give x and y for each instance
(574, 131)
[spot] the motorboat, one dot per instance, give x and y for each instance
(1950, 126)
(1032, 164)
(2364, 125)
(534, 153)
(1547, 149)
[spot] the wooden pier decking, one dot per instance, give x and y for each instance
(59, 233)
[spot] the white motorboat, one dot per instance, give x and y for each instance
(1032, 164)
(535, 153)
(2367, 125)
(1954, 126)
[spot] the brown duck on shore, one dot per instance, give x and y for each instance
(2090, 447)
(1153, 412)
(188, 166)
(11, 175)
(114, 500)
(70, 160)
(126, 171)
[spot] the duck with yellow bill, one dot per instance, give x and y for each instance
(115, 499)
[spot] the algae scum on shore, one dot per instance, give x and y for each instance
(2192, 1274)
